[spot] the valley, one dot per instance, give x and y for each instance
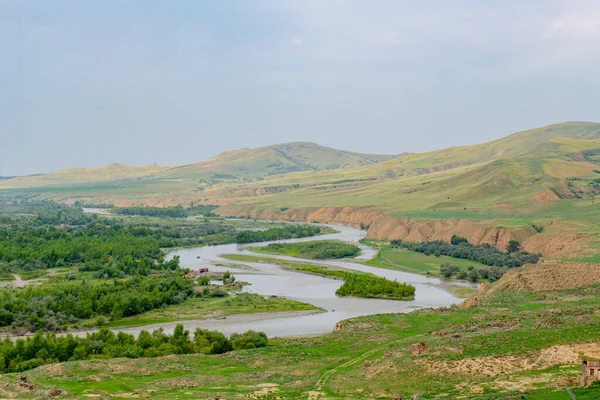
(467, 272)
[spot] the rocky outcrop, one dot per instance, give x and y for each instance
(351, 216)
(556, 240)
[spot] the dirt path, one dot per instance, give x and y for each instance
(323, 379)
(18, 282)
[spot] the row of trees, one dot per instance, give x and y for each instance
(24, 354)
(52, 307)
(173, 212)
(483, 253)
(492, 274)
(287, 232)
(366, 285)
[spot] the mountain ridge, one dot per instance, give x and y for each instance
(245, 163)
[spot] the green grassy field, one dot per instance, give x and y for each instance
(202, 308)
(545, 177)
(513, 345)
(412, 261)
(314, 249)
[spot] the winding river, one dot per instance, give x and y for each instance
(269, 279)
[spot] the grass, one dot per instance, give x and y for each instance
(412, 261)
(368, 358)
(314, 249)
(202, 308)
(492, 183)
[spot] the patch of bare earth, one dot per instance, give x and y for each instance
(545, 195)
(547, 275)
(504, 365)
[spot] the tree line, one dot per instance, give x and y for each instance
(172, 212)
(47, 348)
(483, 253)
(287, 232)
(54, 307)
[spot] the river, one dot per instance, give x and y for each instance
(269, 279)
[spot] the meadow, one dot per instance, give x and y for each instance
(316, 249)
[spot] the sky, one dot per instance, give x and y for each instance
(87, 83)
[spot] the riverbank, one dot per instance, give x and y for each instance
(519, 345)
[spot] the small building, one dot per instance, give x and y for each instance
(196, 273)
(590, 371)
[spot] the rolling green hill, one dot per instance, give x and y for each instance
(235, 165)
(545, 179)
(556, 162)
(74, 176)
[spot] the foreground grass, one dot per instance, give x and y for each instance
(202, 308)
(315, 249)
(501, 339)
(412, 261)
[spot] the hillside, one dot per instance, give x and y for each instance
(537, 186)
(270, 160)
(235, 165)
(110, 172)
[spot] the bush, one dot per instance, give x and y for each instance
(513, 246)
(456, 240)
(473, 275)
(366, 285)
(448, 270)
(249, 340)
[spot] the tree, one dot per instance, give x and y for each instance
(456, 240)
(473, 275)
(448, 270)
(513, 246)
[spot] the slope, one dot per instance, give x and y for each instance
(247, 164)
(271, 160)
(110, 172)
(537, 186)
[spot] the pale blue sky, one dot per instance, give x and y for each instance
(86, 83)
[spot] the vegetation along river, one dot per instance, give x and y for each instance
(270, 279)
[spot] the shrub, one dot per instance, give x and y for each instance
(448, 270)
(456, 240)
(513, 246)
(249, 340)
(473, 275)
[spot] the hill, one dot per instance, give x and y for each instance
(76, 176)
(235, 165)
(537, 186)
(270, 160)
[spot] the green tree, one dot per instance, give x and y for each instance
(513, 246)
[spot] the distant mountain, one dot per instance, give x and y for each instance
(272, 160)
(242, 164)
(509, 175)
(77, 176)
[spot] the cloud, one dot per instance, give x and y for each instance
(298, 41)
(579, 20)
